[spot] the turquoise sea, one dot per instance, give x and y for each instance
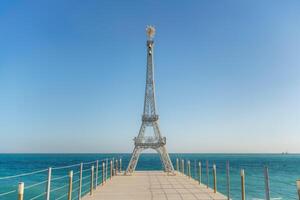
(284, 170)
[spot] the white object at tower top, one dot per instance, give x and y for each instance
(150, 30)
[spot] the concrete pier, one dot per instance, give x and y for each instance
(153, 185)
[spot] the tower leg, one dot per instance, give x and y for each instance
(165, 159)
(134, 159)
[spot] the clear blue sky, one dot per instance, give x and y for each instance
(72, 74)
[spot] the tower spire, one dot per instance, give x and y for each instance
(150, 117)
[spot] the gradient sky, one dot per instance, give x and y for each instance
(72, 74)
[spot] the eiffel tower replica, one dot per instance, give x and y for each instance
(150, 118)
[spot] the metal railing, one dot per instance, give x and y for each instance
(70, 182)
(206, 174)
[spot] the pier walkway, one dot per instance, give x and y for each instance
(153, 185)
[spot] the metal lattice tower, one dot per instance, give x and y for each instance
(150, 118)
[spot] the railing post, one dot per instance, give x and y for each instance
(177, 168)
(103, 172)
(195, 170)
(228, 180)
(182, 166)
(207, 173)
(120, 168)
(189, 169)
(298, 188)
(92, 180)
(111, 169)
(80, 181)
(48, 188)
(243, 184)
(200, 172)
(21, 191)
(267, 183)
(215, 178)
(116, 167)
(96, 177)
(106, 168)
(70, 185)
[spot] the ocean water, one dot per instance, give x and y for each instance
(284, 170)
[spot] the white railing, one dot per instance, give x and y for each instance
(80, 179)
(206, 174)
